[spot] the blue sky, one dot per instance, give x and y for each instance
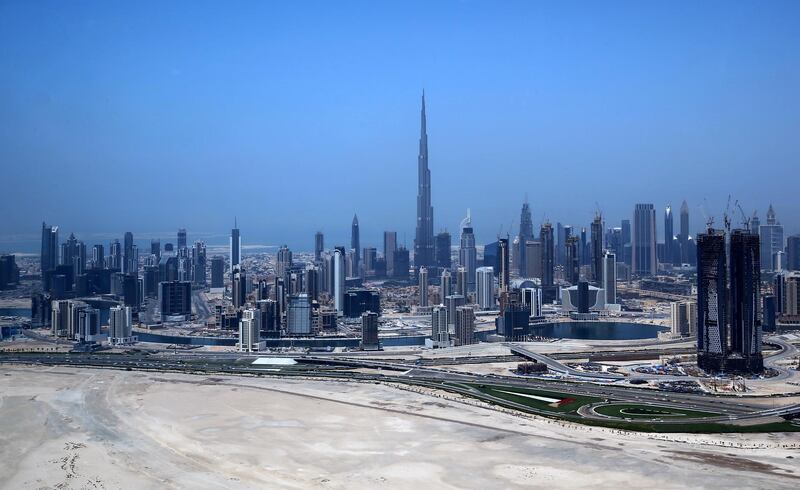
(150, 116)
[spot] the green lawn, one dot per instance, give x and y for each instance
(566, 403)
(634, 411)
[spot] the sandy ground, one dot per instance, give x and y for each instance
(85, 428)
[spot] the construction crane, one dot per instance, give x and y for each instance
(745, 219)
(709, 219)
(726, 220)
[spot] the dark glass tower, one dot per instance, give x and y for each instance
(745, 293)
(355, 244)
(669, 236)
(525, 235)
(683, 238)
(236, 247)
(443, 245)
(548, 254)
(319, 245)
(597, 249)
(712, 301)
(423, 243)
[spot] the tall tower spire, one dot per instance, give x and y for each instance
(423, 242)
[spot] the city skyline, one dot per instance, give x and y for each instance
(538, 118)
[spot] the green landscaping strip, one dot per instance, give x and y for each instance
(637, 411)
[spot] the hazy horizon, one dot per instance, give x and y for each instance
(292, 118)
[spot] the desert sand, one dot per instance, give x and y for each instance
(93, 428)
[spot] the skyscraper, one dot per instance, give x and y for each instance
(217, 271)
(49, 256)
(355, 244)
(445, 285)
(503, 256)
(669, 236)
(319, 245)
(423, 287)
(236, 247)
(645, 262)
(283, 261)
(793, 253)
(338, 279)
(548, 253)
(423, 243)
(745, 295)
(597, 249)
(533, 259)
(199, 263)
(369, 331)
(182, 238)
(610, 277)
(683, 238)
(127, 252)
(485, 287)
(443, 245)
(771, 239)
(389, 248)
(250, 330)
(525, 234)
(467, 254)
(572, 266)
(464, 325)
(712, 300)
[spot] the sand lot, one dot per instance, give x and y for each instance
(91, 428)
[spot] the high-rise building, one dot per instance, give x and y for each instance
(503, 262)
(548, 254)
(771, 239)
(485, 288)
(389, 248)
(369, 259)
(423, 241)
(712, 300)
(572, 265)
(182, 243)
(120, 325)
(610, 277)
(452, 302)
(298, 315)
(319, 245)
(683, 316)
(199, 263)
(525, 234)
(683, 237)
(645, 261)
(355, 245)
(597, 249)
(461, 281)
(49, 255)
(235, 246)
(283, 261)
(793, 253)
(627, 246)
(445, 283)
(369, 331)
(443, 245)
(440, 332)
(533, 259)
(217, 271)
(464, 325)
(745, 300)
(729, 316)
(175, 299)
(467, 253)
(250, 330)
(116, 257)
(669, 236)
(9, 272)
(155, 248)
(423, 287)
(402, 264)
(239, 288)
(98, 257)
(338, 279)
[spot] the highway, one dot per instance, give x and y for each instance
(730, 408)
